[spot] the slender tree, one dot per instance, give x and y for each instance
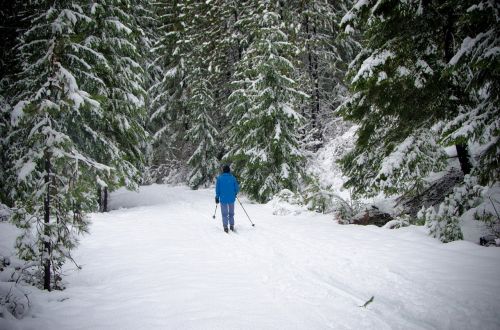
(264, 139)
(50, 173)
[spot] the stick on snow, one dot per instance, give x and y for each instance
(368, 302)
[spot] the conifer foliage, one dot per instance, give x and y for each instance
(48, 165)
(76, 123)
(264, 140)
(415, 91)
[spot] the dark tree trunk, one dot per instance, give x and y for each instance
(316, 121)
(463, 158)
(99, 198)
(105, 200)
(314, 74)
(46, 230)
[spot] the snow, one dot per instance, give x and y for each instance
(469, 43)
(119, 26)
(369, 64)
(325, 165)
(159, 261)
(26, 170)
(403, 71)
(17, 113)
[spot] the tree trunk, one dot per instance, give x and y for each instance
(463, 158)
(316, 121)
(314, 75)
(105, 200)
(99, 198)
(46, 230)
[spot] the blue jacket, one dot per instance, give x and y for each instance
(226, 188)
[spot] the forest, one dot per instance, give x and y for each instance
(99, 95)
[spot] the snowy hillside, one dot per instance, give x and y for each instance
(159, 261)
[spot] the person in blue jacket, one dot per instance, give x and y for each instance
(226, 189)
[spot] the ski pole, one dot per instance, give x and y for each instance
(213, 217)
(253, 225)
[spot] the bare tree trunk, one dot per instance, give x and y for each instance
(463, 158)
(46, 230)
(314, 74)
(102, 192)
(99, 197)
(105, 200)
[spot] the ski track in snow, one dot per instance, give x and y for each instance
(164, 263)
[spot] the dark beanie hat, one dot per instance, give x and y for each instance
(226, 168)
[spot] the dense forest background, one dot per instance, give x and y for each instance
(97, 95)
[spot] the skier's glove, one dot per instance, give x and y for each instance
(216, 200)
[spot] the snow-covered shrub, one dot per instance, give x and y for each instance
(13, 301)
(467, 202)
(287, 202)
(489, 209)
(345, 210)
(318, 198)
(5, 213)
(401, 221)
(172, 172)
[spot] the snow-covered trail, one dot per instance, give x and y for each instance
(164, 263)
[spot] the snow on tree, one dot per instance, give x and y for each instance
(401, 95)
(264, 140)
(415, 91)
(477, 124)
(203, 162)
(115, 36)
(475, 65)
(4, 129)
(204, 34)
(168, 113)
(51, 175)
(325, 52)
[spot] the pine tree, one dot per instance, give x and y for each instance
(115, 35)
(326, 51)
(475, 66)
(50, 173)
(264, 139)
(204, 33)
(168, 118)
(146, 22)
(401, 94)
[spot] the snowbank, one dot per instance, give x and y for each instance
(166, 264)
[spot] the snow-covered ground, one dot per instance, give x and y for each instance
(159, 261)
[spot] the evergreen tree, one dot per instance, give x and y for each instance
(115, 35)
(326, 51)
(203, 162)
(264, 140)
(402, 94)
(476, 66)
(50, 172)
(204, 35)
(168, 119)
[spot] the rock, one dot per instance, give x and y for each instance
(433, 195)
(489, 240)
(371, 216)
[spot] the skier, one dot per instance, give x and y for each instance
(226, 189)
